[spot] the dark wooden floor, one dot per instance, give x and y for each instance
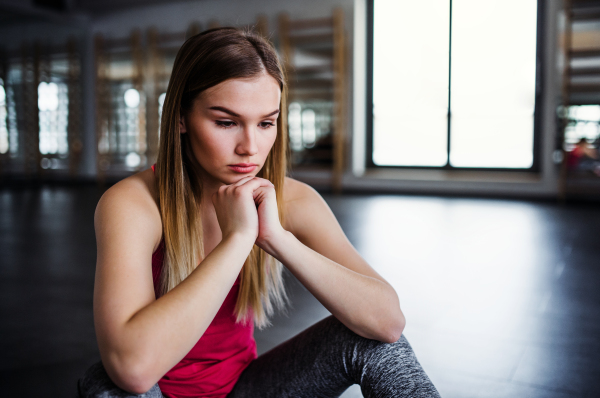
(502, 298)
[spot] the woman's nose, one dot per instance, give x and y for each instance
(247, 143)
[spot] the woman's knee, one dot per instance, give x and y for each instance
(398, 353)
(338, 342)
(97, 384)
(395, 367)
(341, 333)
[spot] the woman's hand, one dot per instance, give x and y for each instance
(269, 226)
(236, 208)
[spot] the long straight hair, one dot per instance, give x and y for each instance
(204, 61)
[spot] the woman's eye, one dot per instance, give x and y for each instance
(224, 123)
(266, 125)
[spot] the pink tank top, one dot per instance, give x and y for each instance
(214, 364)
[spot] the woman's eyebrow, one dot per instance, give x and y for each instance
(232, 113)
(225, 110)
(275, 112)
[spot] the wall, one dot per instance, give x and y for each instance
(177, 16)
(56, 29)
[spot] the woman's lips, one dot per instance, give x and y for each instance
(242, 167)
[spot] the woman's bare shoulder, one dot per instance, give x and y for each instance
(302, 204)
(294, 191)
(138, 189)
(132, 200)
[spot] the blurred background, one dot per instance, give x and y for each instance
(455, 140)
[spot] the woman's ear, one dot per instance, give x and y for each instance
(182, 128)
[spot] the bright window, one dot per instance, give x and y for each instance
(462, 70)
(53, 104)
(3, 125)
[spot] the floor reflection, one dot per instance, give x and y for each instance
(501, 297)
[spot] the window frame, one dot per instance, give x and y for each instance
(537, 117)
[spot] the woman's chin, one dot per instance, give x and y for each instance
(232, 179)
(228, 177)
(239, 177)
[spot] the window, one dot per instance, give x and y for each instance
(53, 107)
(121, 106)
(9, 132)
(161, 102)
(309, 127)
(3, 125)
(453, 83)
(583, 122)
(123, 139)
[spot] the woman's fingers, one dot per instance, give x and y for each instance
(236, 207)
(269, 226)
(253, 184)
(262, 192)
(242, 181)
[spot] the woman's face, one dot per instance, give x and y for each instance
(232, 127)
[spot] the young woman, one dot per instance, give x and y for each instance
(186, 254)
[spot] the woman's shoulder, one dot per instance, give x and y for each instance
(303, 204)
(133, 199)
(295, 192)
(139, 188)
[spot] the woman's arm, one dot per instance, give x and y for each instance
(320, 256)
(141, 338)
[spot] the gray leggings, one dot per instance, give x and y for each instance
(322, 361)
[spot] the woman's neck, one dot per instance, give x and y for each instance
(210, 224)
(209, 187)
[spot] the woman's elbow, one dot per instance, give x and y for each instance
(132, 376)
(393, 329)
(137, 384)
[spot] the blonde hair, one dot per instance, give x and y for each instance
(204, 61)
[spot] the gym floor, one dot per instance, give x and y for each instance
(501, 296)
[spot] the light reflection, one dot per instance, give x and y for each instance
(132, 160)
(132, 98)
(459, 264)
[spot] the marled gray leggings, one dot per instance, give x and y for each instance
(322, 361)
